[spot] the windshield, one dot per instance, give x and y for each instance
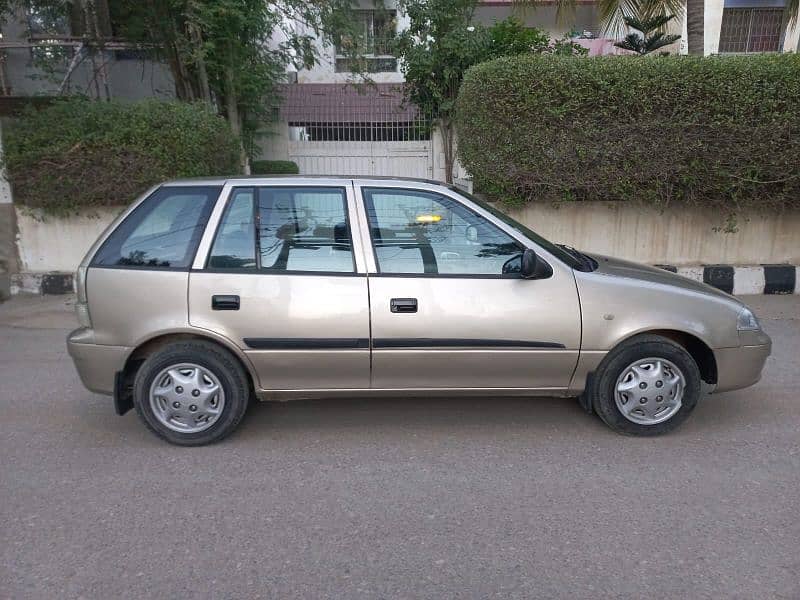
(559, 253)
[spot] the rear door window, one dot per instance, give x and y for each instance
(284, 230)
(163, 232)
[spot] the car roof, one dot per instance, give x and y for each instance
(222, 180)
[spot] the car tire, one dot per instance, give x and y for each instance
(191, 393)
(623, 390)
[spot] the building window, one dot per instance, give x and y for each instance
(751, 30)
(371, 50)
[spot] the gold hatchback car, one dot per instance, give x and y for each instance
(207, 293)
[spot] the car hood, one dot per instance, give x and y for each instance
(615, 267)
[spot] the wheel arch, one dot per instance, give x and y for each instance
(697, 348)
(123, 393)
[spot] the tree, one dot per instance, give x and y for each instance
(218, 51)
(651, 36)
(695, 26)
(613, 12)
(441, 43)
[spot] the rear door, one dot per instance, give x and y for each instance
(284, 279)
(443, 313)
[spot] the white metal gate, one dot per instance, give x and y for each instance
(399, 159)
(339, 129)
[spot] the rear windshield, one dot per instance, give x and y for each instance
(163, 232)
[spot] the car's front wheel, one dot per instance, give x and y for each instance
(191, 393)
(646, 386)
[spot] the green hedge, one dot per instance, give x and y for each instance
(80, 153)
(274, 167)
(721, 132)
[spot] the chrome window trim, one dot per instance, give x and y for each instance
(211, 227)
(356, 231)
(365, 238)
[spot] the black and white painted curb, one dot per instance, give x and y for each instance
(763, 279)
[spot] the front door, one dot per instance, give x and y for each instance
(444, 314)
(284, 280)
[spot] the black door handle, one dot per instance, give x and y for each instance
(224, 302)
(403, 305)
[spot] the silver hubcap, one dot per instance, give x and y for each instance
(650, 391)
(187, 398)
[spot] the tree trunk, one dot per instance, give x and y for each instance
(93, 24)
(446, 131)
(234, 118)
(183, 84)
(200, 63)
(695, 25)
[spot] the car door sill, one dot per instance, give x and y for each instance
(299, 394)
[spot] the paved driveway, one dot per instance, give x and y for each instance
(399, 498)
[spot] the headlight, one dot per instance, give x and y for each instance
(747, 320)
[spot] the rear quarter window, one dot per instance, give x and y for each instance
(163, 232)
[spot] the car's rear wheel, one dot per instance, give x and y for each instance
(646, 386)
(191, 393)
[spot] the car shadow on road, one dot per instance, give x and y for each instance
(397, 413)
(533, 415)
(471, 417)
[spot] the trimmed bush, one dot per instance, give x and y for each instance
(274, 167)
(721, 132)
(80, 153)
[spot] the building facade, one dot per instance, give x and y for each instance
(329, 125)
(748, 26)
(38, 51)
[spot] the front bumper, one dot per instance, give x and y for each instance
(740, 367)
(97, 365)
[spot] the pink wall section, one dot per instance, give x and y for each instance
(600, 47)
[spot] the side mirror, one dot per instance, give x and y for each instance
(534, 267)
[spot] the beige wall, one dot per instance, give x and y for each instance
(677, 236)
(52, 244)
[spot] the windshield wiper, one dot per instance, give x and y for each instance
(588, 263)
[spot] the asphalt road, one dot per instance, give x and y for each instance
(400, 498)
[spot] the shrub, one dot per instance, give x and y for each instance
(274, 167)
(721, 131)
(80, 153)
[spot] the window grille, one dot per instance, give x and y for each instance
(751, 30)
(373, 46)
(333, 113)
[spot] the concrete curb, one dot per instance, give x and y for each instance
(763, 279)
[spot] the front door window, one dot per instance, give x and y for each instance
(419, 232)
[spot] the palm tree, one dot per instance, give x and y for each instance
(695, 26)
(613, 12)
(652, 36)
